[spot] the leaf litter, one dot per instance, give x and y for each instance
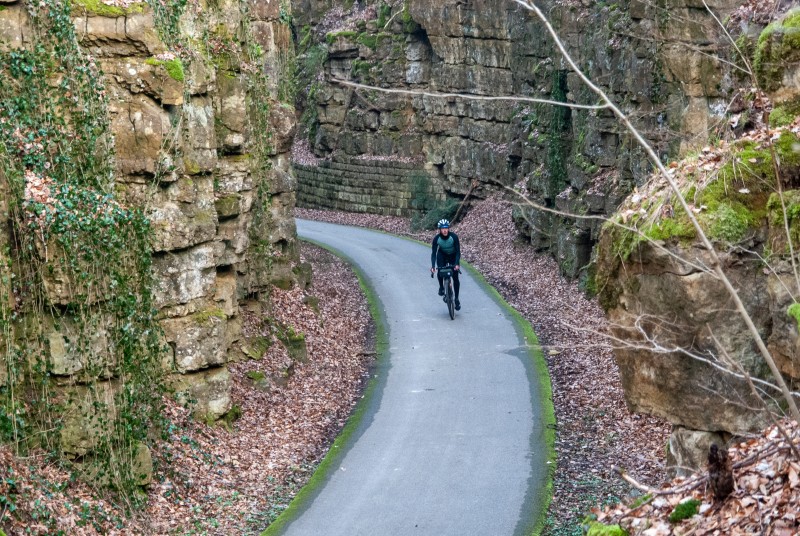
(235, 478)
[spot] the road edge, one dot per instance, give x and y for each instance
(339, 447)
(545, 391)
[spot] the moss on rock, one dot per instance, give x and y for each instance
(794, 312)
(173, 67)
(207, 316)
(98, 7)
(331, 37)
(728, 206)
(599, 529)
(778, 45)
(684, 510)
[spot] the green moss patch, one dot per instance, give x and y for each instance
(794, 312)
(346, 34)
(599, 529)
(684, 510)
(778, 45)
(782, 214)
(256, 375)
(732, 203)
(174, 67)
(207, 316)
(97, 7)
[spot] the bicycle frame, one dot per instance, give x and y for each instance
(449, 296)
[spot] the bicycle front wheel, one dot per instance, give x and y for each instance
(451, 302)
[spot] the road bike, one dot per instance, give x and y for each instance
(449, 295)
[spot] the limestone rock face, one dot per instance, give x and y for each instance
(88, 411)
(686, 345)
(198, 341)
(210, 391)
(669, 72)
(665, 305)
(187, 152)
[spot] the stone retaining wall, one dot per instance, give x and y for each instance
(367, 186)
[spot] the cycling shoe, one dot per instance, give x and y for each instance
(441, 292)
(458, 305)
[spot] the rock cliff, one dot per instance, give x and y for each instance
(688, 346)
(188, 150)
(659, 62)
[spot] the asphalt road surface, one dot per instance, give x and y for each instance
(452, 442)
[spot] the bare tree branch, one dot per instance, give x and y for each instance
(434, 94)
(716, 263)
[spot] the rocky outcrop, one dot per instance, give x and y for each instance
(687, 345)
(200, 145)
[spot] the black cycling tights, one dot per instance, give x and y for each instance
(456, 284)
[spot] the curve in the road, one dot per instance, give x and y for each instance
(455, 433)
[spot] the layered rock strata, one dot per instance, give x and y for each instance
(361, 185)
(658, 62)
(201, 144)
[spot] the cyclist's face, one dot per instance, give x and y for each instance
(445, 231)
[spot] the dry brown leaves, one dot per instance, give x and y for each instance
(219, 481)
(595, 428)
(39, 497)
(766, 499)
(235, 482)
(760, 12)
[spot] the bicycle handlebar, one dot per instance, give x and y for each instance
(449, 266)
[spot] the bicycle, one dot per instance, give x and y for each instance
(449, 294)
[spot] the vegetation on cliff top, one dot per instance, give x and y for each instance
(728, 187)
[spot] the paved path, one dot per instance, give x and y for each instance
(452, 441)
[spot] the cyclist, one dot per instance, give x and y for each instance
(446, 250)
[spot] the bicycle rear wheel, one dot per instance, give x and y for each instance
(451, 302)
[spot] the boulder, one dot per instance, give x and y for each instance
(142, 464)
(670, 314)
(207, 393)
(198, 341)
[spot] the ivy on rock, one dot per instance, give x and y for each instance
(81, 348)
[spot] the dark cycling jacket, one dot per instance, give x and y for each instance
(438, 256)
